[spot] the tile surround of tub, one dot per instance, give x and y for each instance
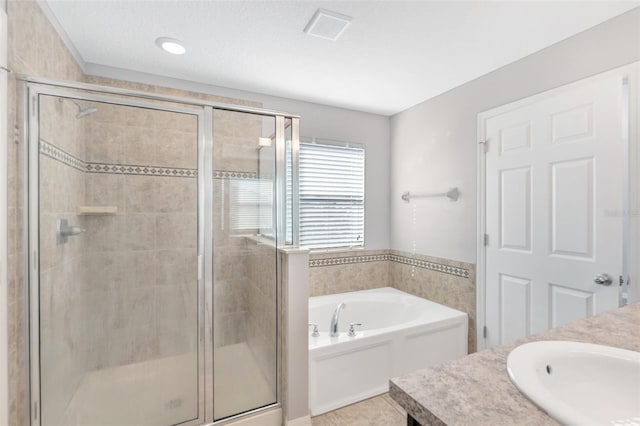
(351, 270)
(448, 289)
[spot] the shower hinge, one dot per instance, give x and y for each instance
(486, 239)
(484, 331)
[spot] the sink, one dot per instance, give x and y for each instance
(579, 383)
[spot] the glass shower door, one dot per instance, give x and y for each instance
(117, 215)
(244, 263)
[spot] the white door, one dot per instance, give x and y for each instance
(554, 192)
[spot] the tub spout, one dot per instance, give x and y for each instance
(335, 318)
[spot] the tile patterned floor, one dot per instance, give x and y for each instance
(378, 411)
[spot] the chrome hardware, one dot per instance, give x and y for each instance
(352, 330)
(603, 279)
(334, 320)
(315, 332)
(452, 194)
(623, 281)
(65, 231)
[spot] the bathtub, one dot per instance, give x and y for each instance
(400, 333)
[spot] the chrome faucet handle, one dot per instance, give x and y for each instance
(352, 330)
(315, 332)
(64, 231)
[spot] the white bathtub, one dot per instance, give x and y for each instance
(400, 333)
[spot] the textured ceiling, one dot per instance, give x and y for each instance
(394, 54)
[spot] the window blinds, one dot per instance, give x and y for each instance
(251, 205)
(331, 195)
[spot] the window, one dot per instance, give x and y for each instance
(331, 185)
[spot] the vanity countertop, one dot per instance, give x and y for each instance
(476, 389)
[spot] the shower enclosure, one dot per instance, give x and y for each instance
(153, 232)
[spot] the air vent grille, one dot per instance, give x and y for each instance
(327, 24)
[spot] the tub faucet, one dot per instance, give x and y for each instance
(335, 319)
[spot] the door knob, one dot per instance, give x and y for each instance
(603, 279)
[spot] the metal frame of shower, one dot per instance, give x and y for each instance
(32, 87)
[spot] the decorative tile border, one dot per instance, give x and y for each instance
(313, 263)
(438, 267)
(62, 156)
(130, 169)
(52, 151)
(228, 174)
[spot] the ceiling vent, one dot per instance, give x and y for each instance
(327, 24)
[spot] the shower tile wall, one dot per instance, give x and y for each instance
(235, 137)
(261, 313)
(141, 263)
(34, 48)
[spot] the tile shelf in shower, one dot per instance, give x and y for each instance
(97, 210)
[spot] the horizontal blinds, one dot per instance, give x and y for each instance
(331, 196)
(251, 204)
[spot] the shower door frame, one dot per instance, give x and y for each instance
(35, 86)
(33, 91)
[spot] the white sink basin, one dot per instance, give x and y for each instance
(579, 383)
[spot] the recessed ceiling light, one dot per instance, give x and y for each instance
(171, 45)
(327, 24)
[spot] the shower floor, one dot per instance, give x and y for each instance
(157, 392)
(164, 391)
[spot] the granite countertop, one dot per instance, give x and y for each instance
(476, 390)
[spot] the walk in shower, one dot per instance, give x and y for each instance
(153, 232)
